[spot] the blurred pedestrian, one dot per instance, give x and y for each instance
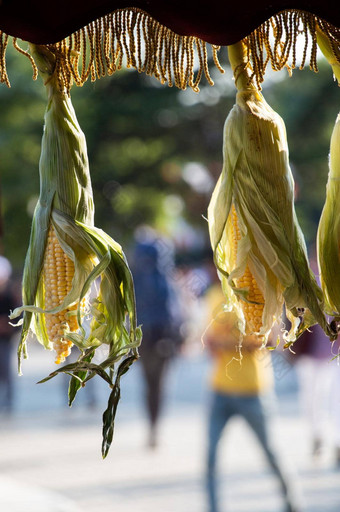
(319, 380)
(7, 303)
(159, 318)
(241, 385)
(317, 364)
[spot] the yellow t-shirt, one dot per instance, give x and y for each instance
(245, 370)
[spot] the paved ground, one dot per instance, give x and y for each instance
(50, 457)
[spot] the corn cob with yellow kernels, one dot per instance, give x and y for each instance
(58, 275)
(258, 246)
(253, 307)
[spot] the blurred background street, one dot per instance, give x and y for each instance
(50, 455)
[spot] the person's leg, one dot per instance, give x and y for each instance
(153, 370)
(257, 414)
(315, 390)
(219, 413)
(155, 398)
(334, 369)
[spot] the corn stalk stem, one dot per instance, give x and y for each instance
(239, 62)
(45, 61)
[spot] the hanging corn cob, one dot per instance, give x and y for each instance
(68, 258)
(258, 246)
(328, 236)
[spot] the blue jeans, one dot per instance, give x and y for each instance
(254, 410)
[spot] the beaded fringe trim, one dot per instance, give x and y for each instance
(132, 38)
(276, 40)
(99, 49)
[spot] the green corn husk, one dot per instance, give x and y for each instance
(257, 181)
(66, 202)
(328, 236)
(330, 50)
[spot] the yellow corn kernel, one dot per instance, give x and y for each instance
(58, 274)
(253, 309)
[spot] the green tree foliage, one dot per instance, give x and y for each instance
(21, 108)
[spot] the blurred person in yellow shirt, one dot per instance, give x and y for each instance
(242, 384)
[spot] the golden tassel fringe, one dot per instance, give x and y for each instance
(276, 41)
(99, 49)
